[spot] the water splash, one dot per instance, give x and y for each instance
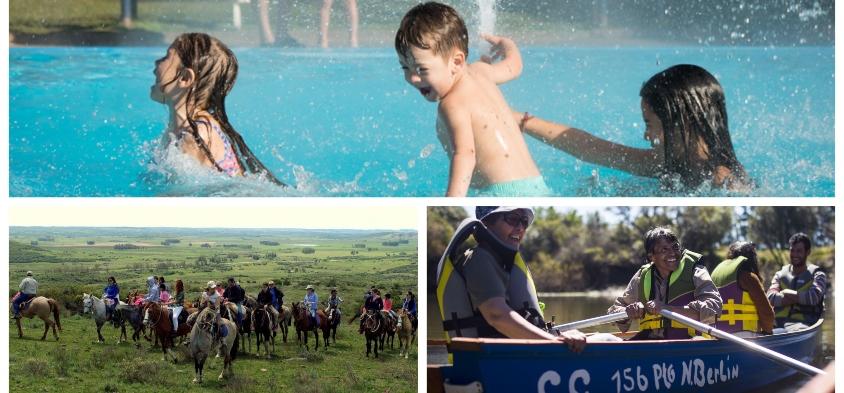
(486, 23)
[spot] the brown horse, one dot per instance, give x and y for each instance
(406, 333)
(40, 307)
(162, 324)
(304, 324)
(262, 323)
(373, 328)
(285, 317)
(334, 319)
(389, 329)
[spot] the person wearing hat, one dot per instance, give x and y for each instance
(28, 289)
(212, 299)
(311, 301)
(674, 279)
(277, 295)
(333, 303)
(265, 297)
(488, 290)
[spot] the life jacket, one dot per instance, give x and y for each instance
(738, 312)
(681, 291)
(801, 283)
(460, 317)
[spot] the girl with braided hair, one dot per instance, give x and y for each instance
(193, 80)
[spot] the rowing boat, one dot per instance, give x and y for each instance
(699, 365)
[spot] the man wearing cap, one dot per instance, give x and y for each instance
(501, 296)
(277, 296)
(311, 301)
(265, 298)
(674, 280)
(28, 289)
(212, 299)
(797, 291)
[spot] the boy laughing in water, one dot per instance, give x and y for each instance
(474, 122)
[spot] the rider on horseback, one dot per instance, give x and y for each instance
(152, 290)
(334, 304)
(373, 304)
(177, 304)
(210, 298)
(311, 301)
(235, 294)
(277, 295)
(409, 306)
(28, 289)
(265, 298)
(111, 296)
(388, 306)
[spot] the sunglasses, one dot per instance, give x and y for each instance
(515, 219)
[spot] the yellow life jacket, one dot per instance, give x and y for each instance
(681, 290)
(738, 312)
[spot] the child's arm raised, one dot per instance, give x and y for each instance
(503, 64)
(587, 147)
(458, 124)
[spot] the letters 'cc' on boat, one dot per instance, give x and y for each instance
(709, 365)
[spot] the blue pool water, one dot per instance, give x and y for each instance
(344, 123)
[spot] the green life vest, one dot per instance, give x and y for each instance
(738, 312)
(681, 288)
(460, 317)
(801, 283)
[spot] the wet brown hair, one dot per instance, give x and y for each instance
(690, 103)
(215, 67)
(432, 26)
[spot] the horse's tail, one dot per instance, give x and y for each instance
(54, 307)
(357, 314)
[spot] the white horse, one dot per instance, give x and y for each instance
(202, 343)
(97, 308)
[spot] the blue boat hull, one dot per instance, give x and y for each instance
(641, 366)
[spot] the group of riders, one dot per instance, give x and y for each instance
(215, 296)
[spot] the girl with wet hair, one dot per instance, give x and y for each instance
(193, 80)
(685, 116)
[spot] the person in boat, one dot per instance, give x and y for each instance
(488, 290)
(746, 309)
(673, 279)
(28, 290)
(797, 291)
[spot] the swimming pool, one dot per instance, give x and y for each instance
(344, 122)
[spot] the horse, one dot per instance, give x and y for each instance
(262, 323)
(285, 317)
(126, 313)
(389, 329)
(373, 329)
(229, 311)
(304, 324)
(40, 307)
(407, 333)
(334, 319)
(325, 327)
(97, 308)
(202, 343)
(162, 324)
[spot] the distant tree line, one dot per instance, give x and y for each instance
(269, 243)
(567, 251)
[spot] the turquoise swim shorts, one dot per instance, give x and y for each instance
(530, 187)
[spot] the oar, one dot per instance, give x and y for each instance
(773, 355)
(603, 319)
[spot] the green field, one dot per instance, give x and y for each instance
(65, 265)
